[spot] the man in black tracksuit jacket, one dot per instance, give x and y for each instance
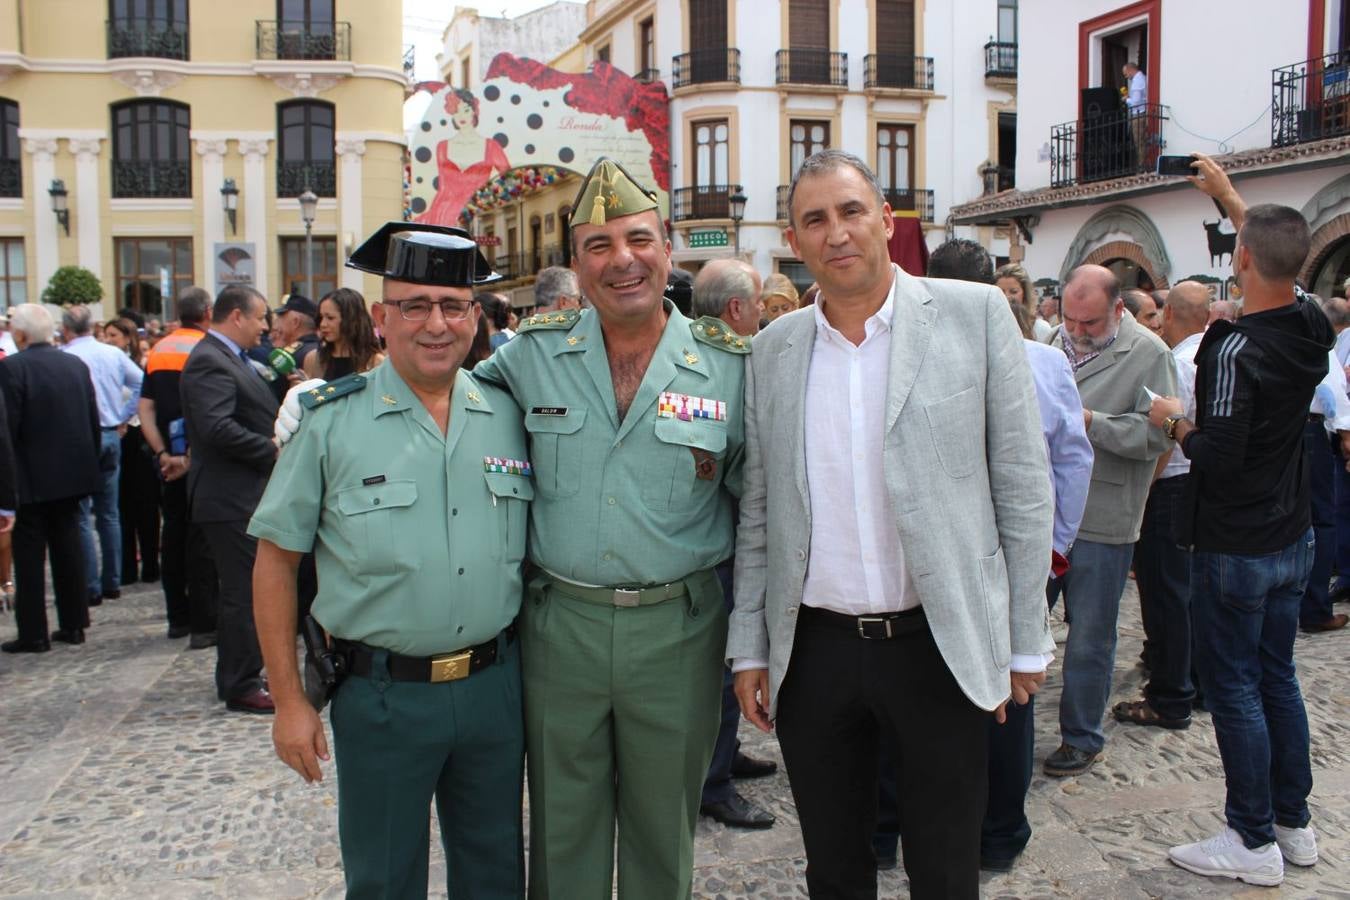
(1248, 524)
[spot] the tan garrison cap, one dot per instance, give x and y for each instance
(609, 192)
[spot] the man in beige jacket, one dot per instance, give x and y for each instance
(1116, 363)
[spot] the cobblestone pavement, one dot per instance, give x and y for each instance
(120, 776)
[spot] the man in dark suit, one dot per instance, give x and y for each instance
(54, 427)
(229, 409)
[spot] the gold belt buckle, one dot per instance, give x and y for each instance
(450, 668)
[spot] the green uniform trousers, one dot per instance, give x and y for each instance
(622, 707)
(400, 743)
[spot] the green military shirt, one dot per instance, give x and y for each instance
(418, 537)
(644, 501)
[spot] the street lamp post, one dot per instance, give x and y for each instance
(229, 198)
(737, 204)
(309, 205)
(60, 199)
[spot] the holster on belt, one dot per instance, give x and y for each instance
(325, 668)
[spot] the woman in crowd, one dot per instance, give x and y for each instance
(348, 337)
(1015, 284)
(138, 482)
(779, 296)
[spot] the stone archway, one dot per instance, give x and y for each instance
(1324, 241)
(1131, 251)
(1146, 248)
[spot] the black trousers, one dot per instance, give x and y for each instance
(38, 528)
(1162, 573)
(840, 695)
(138, 508)
(238, 658)
(187, 571)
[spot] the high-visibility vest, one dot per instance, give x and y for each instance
(170, 353)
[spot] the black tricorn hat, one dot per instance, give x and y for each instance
(423, 254)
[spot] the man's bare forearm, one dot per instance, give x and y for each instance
(274, 613)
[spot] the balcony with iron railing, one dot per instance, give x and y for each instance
(706, 67)
(910, 200)
(908, 73)
(298, 39)
(11, 178)
(1116, 144)
(1310, 100)
(706, 201)
(293, 178)
(151, 178)
(147, 36)
(810, 66)
(1000, 60)
(647, 76)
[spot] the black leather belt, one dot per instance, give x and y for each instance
(434, 669)
(881, 627)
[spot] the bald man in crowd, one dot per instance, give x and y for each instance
(728, 289)
(1222, 310)
(1162, 567)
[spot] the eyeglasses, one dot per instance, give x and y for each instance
(420, 310)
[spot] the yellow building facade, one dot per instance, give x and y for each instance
(156, 116)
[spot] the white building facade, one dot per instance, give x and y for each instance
(1264, 90)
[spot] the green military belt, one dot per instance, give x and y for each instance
(620, 596)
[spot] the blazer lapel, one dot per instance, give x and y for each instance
(794, 361)
(251, 378)
(911, 331)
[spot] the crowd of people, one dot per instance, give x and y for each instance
(611, 530)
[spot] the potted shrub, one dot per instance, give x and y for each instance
(73, 285)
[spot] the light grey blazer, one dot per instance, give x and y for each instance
(966, 476)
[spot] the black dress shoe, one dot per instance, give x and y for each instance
(179, 631)
(738, 812)
(41, 646)
(202, 640)
(112, 595)
(743, 766)
(96, 600)
(996, 863)
(257, 702)
(69, 635)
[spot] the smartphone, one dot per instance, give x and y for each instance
(1176, 165)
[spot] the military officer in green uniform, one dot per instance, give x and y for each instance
(634, 420)
(411, 485)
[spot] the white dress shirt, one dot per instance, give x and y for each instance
(1330, 398)
(1138, 93)
(856, 566)
(116, 379)
(1183, 355)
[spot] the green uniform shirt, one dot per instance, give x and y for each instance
(420, 536)
(645, 501)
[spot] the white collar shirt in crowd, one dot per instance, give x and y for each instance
(857, 566)
(1183, 355)
(116, 379)
(1342, 349)
(1330, 400)
(1138, 95)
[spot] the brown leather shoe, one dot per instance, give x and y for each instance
(1335, 623)
(257, 702)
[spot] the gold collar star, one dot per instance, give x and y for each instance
(388, 400)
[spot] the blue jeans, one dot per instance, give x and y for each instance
(103, 507)
(1092, 589)
(1245, 611)
(1162, 572)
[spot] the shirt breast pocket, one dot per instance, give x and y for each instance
(555, 451)
(510, 496)
(373, 515)
(685, 470)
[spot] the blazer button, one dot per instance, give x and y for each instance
(792, 612)
(801, 554)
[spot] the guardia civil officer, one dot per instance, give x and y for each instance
(634, 417)
(410, 484)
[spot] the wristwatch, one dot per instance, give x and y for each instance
(1169, 426)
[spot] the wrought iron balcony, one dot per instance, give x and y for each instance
(910, 199)
(706, 67)
(913, 73)
(1000, 60)
(810, 66)
(784, 212)
(146, 36)
(294, 177)
(1310, 100)
(151, 178)
(706, 201)
(298, 39)
(11, 178)
(1112, 145)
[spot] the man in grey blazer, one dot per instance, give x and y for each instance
(894, 541)
(1116, 362)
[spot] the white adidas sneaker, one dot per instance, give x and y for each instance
(1225, 855)
(1298, 845)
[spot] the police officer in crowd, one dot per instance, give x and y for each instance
(410, 484)
(634, 416)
